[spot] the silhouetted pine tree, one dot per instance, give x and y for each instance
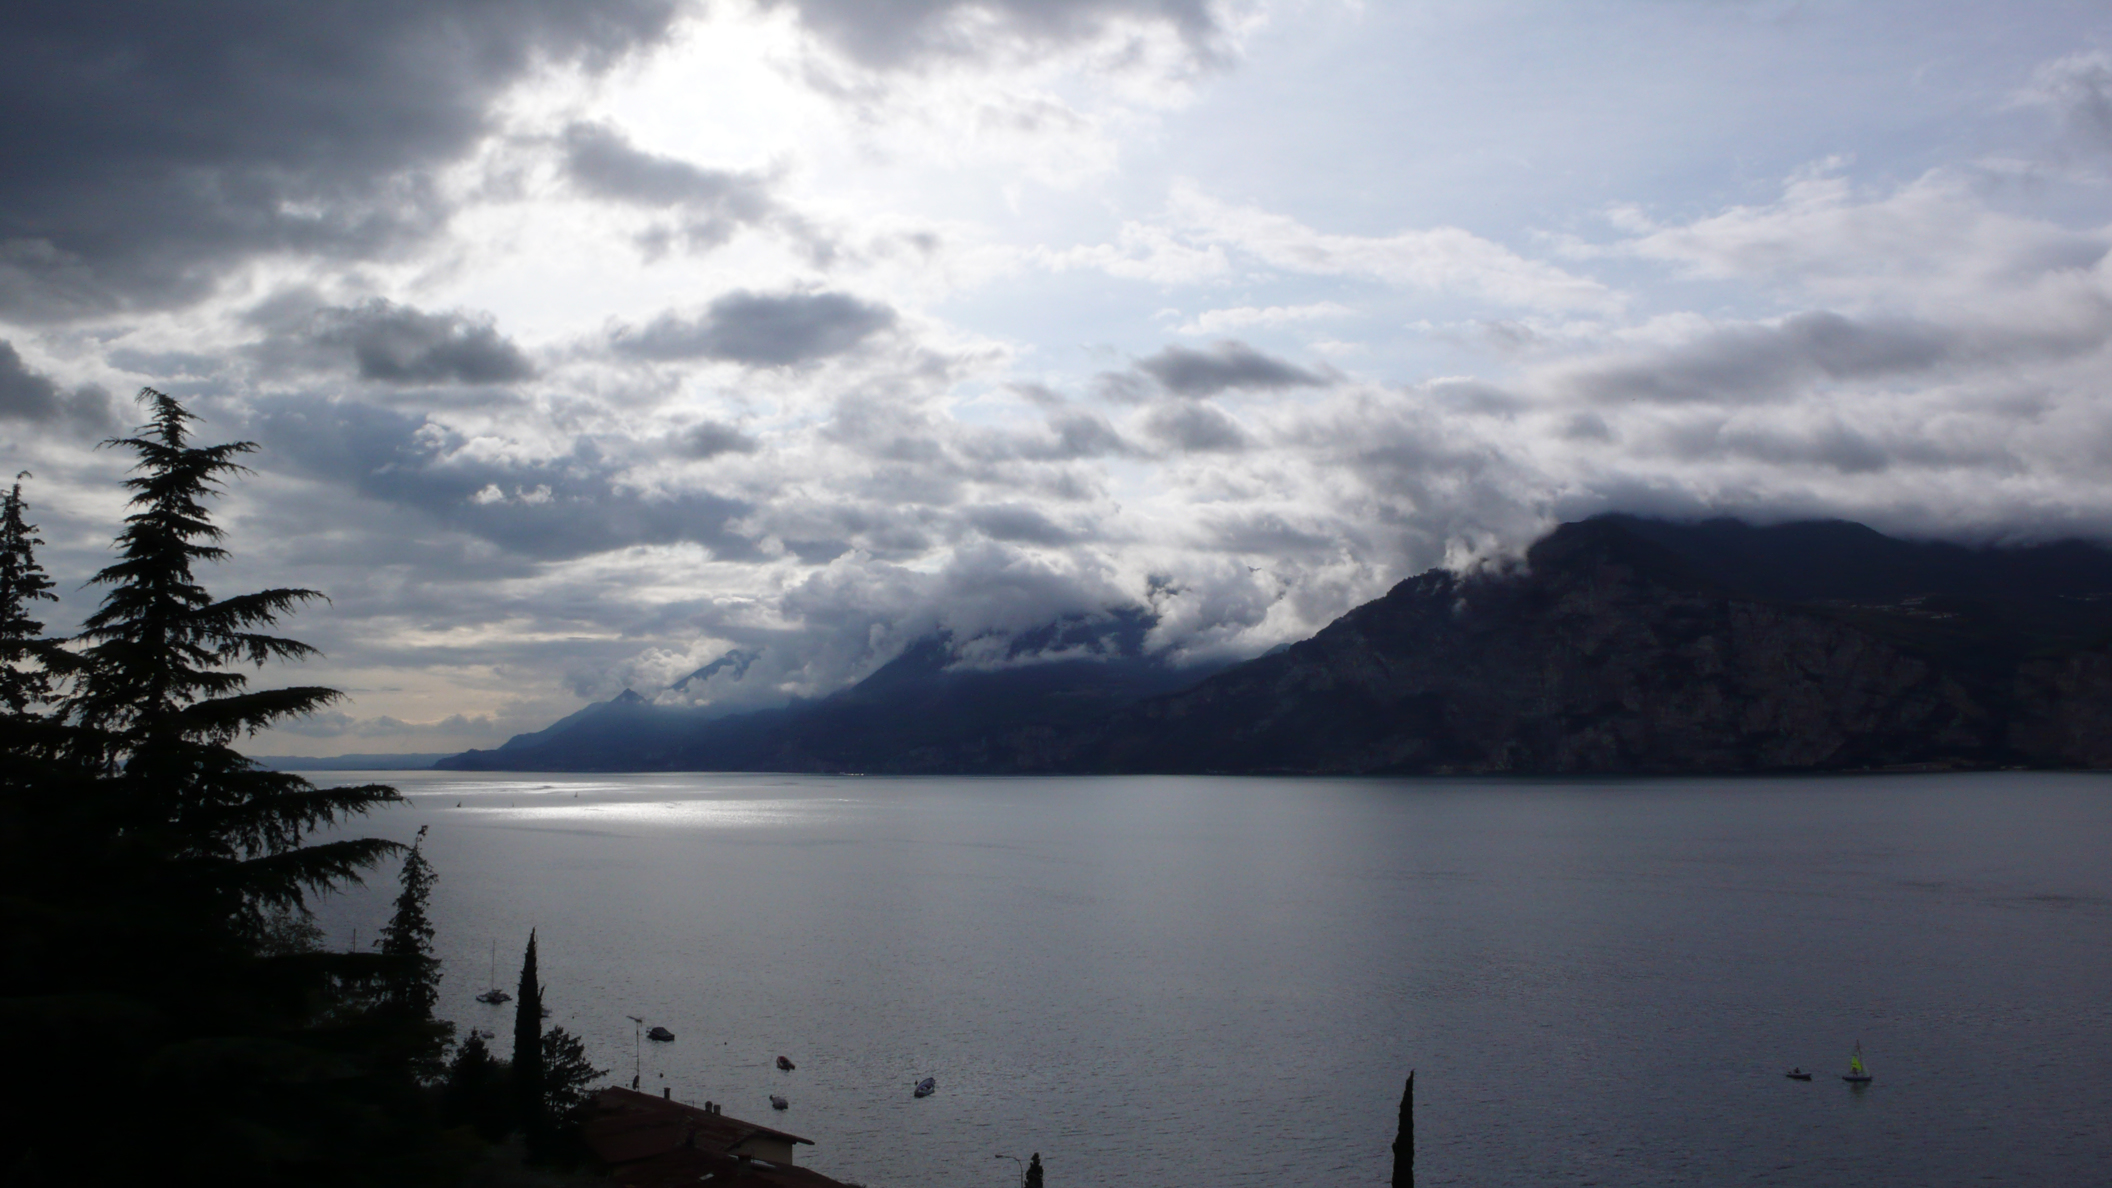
(1034, 1171)
(474, 1091)
(151, 870)
(527, 1075)
(159, 695)
(411, 983)
(567, 1078)
(28, 662)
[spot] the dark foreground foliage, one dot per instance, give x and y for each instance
(169, 1016)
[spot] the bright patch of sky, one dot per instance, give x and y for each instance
(592, 343)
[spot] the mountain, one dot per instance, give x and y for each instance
(1628, 646)
(1618, 645)
(374, 762)
(927, 708)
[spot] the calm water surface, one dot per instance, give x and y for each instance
(1183, 981)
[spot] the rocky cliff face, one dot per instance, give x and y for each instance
(1608, 652)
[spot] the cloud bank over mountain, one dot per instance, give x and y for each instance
(589, 344)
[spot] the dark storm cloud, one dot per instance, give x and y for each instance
(760, 329)
(1019, 523)
(1761, 363)
(1188, 372)
(893, 32)
(709, 439)
(1078, 434)
(149, 143)
(396, 344)
(547, 509)
(26, 395)
(711, 203)
(1832, 447)
(601, 162)
(1196, 428)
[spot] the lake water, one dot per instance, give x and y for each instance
(1204, 981)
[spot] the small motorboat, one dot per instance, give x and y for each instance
(1797, 1074)
(926, 1087)
(1856, 1074)
(660, 1035)
(786, 1064)
(777, 1102)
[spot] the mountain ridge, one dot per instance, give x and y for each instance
(1615, 645)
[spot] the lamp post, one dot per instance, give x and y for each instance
(637, 1060)
(1022, 1168)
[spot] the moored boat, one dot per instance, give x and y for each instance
(1856, 1074)
(494, 996)
(927, 1086)
(777, 1102)
(786, 1064)
(660, 1035)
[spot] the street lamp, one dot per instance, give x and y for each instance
(1022, 1168)
(637, 1060)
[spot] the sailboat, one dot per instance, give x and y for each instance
(1856, 1074)
(494, 996)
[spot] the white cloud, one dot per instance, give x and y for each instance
(1217, 322)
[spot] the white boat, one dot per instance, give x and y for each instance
(926, 1087)
(1856, 1074)
(494, 996)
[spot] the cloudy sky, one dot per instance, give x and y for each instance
(590, 340)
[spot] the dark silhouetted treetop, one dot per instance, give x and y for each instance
(527, 1080)
(567, 1080)
(153, 885)
(160, 703)
(29, 663)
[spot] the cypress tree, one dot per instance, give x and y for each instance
(1404, 1140)
(1034, 1171)
(527, 1076)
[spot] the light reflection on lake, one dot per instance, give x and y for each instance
(1223, 981)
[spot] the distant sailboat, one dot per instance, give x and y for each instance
(494, 996)
(1856, 1074)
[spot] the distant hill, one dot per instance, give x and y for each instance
(1619, 645)
(926, 707)
(399, 762)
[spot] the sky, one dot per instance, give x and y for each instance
(588, 342)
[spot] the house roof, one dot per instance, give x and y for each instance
(650, 1142)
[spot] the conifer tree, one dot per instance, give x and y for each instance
(151, 872)
(411, 985)
(28, 662)
(160, 703)
(566, 1076)
(527, 1075)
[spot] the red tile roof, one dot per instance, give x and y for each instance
(651, 1142)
